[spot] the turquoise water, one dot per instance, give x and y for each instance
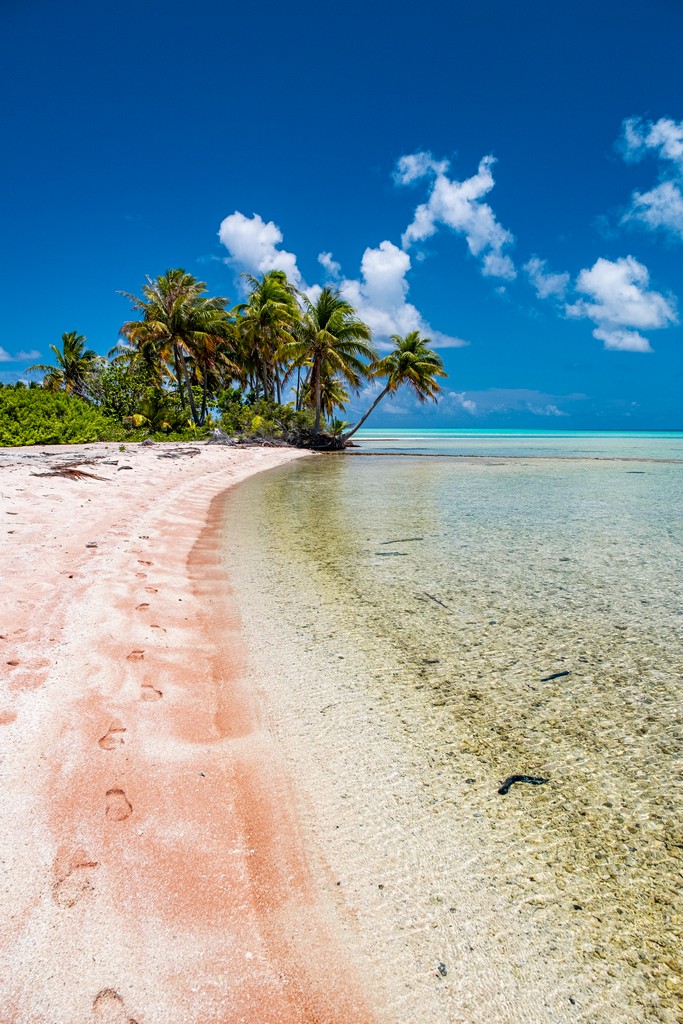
(465, 583)
(527, 443)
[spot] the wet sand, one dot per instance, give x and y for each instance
(152, 862)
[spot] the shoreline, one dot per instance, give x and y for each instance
(163, 874)
(465, 902)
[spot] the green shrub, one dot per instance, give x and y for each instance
(118, 390)
(262, 418)
(34, 416)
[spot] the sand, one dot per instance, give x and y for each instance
(152, 863)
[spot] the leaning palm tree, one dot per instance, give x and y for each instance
(75, 363)
(335, 343)
(411, 363)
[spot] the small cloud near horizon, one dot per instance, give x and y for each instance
(19, 357)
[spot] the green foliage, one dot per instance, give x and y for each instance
(74, 366)
(175, 376)
(160, 412)
(118, 390)
(262, 418)
(35, 416)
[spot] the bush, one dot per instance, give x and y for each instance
(35, 416)
(262, 418)
(118, 390)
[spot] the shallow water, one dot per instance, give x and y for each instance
(583, 444)
(465, 583)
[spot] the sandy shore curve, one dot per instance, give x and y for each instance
(153, 868)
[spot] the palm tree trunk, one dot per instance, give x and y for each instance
(361, 421)
(316, 393)
(202, 418)
(178, 375)
(298, 389)
(188, 385)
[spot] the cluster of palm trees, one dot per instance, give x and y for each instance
(278, 344)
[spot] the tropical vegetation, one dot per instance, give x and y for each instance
(279, 364)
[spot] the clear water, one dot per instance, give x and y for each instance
(467, 582)
(522, 443)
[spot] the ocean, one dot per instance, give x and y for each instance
(512, 602)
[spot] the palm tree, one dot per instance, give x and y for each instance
(333, 395)
(212, 348)
(179, 323)
(335, 343)
(411, 363)
(265, 323)
(75, 363)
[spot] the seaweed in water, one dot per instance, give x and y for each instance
(533, 780)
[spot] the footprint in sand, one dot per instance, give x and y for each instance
(155, 625)
(113, 737)
(143, 562)
(152, 590)
(118, 806)
(141, 575)
(108, 1008)
(73, 873)
(150, 692)
(141, 607)
(136, 655)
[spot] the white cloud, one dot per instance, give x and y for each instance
(253, 246)
(331, 266)
(622, 341)
(459, 206)
(663, 137)
(508, 400)
(7, 357)
(379, 296)
(660, 208)
(547, 285)
(415, 166)
(619, 299)
(460, 400)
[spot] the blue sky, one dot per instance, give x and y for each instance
(505, 175)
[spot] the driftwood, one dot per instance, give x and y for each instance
(436, 600)
(402, 540)
(177, 453)
(72, 473)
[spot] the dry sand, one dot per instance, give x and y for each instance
(152, 865)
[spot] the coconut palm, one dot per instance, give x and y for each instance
(411, 363)
(335, 343)
(75, 363)
(264, 325)
(180, 325)
(212, 348)
(333, 395)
